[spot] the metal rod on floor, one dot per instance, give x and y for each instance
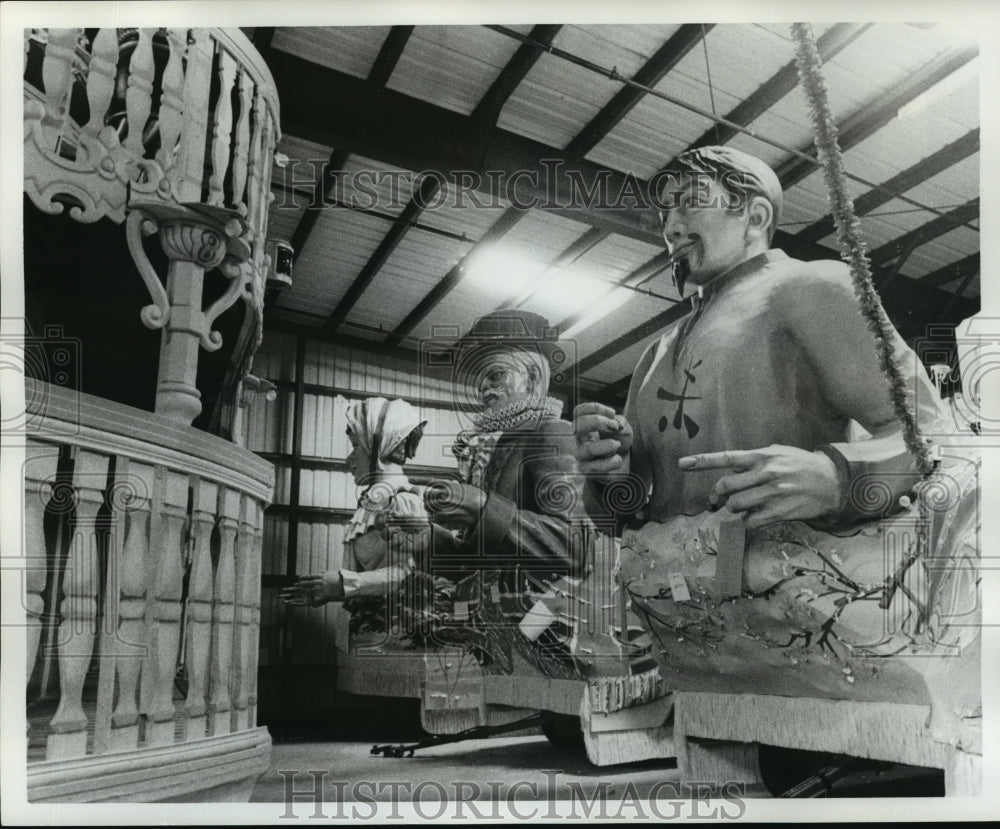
(477, 732)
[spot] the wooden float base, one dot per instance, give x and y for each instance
(713, 736)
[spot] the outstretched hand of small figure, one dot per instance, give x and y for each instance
(314, 590)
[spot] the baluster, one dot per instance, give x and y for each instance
(68, 737)
(222, 611)
(61, 506)
(138, 96)
(257, 559)
(130, 644)
(171, 100)
(241, 141)
(255, 233)
(101, 78)
(244, 615)
(188, 172)
(125, 492)
(40, 465)
(222, 128)
(267, 159)
(57, 76)
(199, 609)
(167, 551)
(263, 190)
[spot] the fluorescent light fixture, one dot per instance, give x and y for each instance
(939, 90)
(566, 291)
(498, 272)
(609, 300)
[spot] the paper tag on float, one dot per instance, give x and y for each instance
(461, 610)
(536, 620)
(495, 594)
(678, 587)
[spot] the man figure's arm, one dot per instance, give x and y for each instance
(842, 350)
(610, 450)
(534, 523)
(828, 484)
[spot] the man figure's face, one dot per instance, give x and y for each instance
(504, 379)
(704, 220)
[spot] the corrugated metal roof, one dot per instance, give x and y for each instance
(337, 250)
(617, 256)
(350, 49)
(453, 67)
(945, 191)
(633, 313)
(957, 184)
(372, 185)
(495, 273)
(621, 365)
(944, 250)
(285, 214)
(415, 266)
(652, 133)
(739, 59)
(557, 99)
(464, 212)
(455, 313)
(305, 160)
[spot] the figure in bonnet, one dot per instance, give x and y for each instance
(384, 434)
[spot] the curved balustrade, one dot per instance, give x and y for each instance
(181, 115)
(176, 127)
(143, 543)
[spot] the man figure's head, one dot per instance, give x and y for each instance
(504, 359)
(719, 205)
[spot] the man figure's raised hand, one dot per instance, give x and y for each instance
(603, 440)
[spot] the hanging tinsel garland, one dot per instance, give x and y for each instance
(852, 246)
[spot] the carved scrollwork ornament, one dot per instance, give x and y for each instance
(138, 225)
(192, 241)
(207, 236)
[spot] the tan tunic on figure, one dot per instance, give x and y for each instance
(777, 352)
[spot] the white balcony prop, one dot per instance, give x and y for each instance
(143, 605)
(143, 536)
(174, 129)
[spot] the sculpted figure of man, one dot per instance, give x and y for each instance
(749, 399)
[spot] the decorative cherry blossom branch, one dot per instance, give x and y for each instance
(852, 245)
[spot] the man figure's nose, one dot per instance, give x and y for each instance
(674, 227)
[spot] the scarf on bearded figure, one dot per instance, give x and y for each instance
(473, 448)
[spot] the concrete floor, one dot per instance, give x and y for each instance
(503, 769)
(484, 776)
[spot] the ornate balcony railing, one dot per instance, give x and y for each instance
(174, 130)
(143, 544)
